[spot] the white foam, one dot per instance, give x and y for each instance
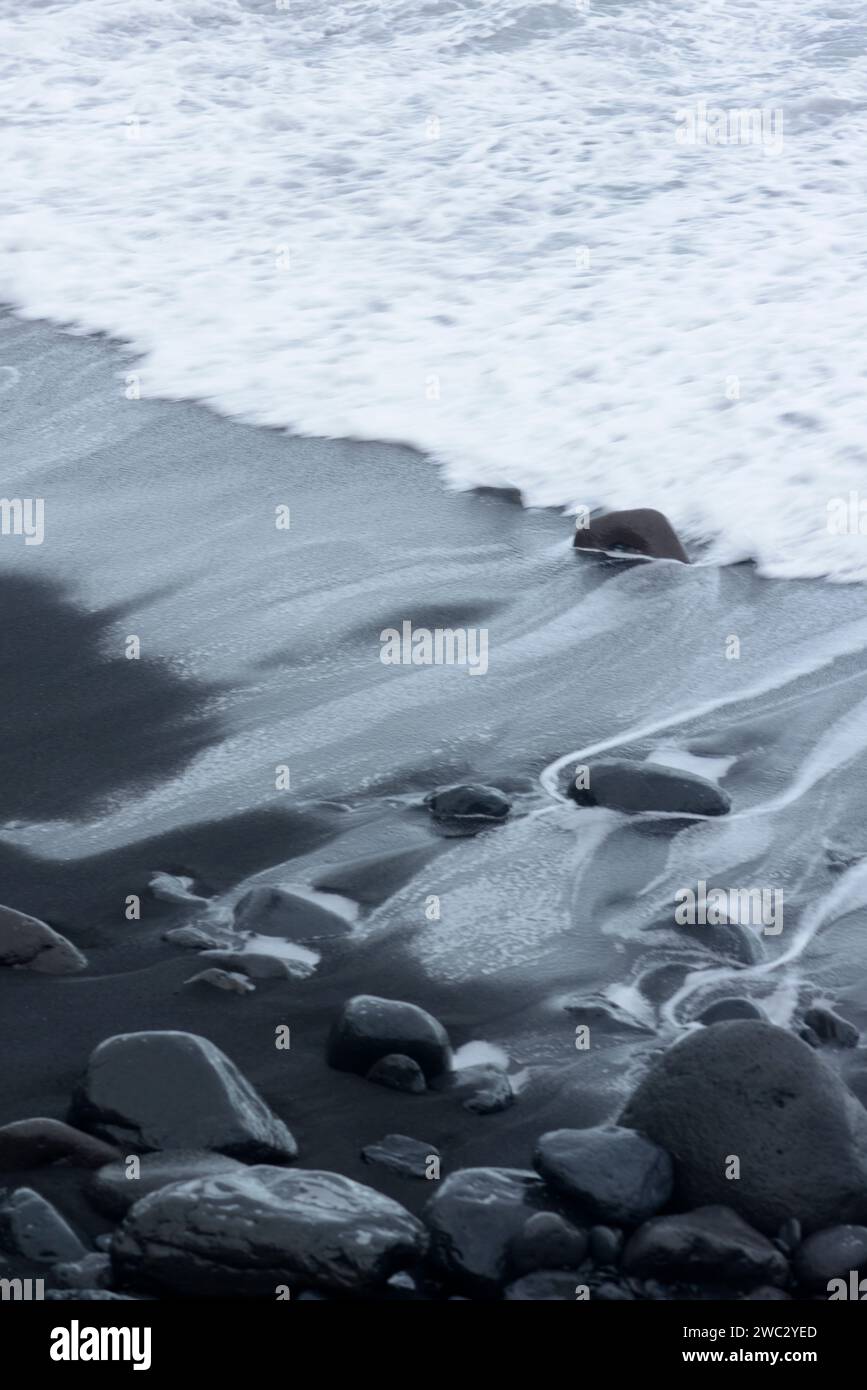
(327, 215)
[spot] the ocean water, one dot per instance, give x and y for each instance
(496, 230)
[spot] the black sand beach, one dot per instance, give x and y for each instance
(260, 650)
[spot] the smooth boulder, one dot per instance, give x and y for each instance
(399, 1073)
(640, 531)
(167, 1090)
(29, 943)
(369, 1028)
(610, 1174)
(243, 1235)
(473, 1217)
(712, 1243)
(751, 1091)
(633, 787)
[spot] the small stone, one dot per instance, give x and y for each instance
(789, 1236)
(712, 1243)
(229, 980)
(31, 1227)
(547, 1242)
(470, 807)
(829, 1027)
(369, 1028)
(195, 938)
(400, 1154)
(638, 531)
(398, 1072)
(633, 787)
(40, 1140)
(611, 1174)
(28, 942)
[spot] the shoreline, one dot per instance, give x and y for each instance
(159, 524)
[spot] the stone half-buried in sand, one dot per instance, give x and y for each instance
(28, 942)
(755, 1120)
(642, 531)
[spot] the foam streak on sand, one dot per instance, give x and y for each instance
(472, 228)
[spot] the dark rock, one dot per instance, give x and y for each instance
(732, 939)
(641, 531)
(32, 1143)
(373, 880)
(710, 1243)
(632, 787)
(369, 1028)
(831, 1254)
(90, 1272)
(830, 1027)
(808, 1036)
(468, 806)
(473, 1217)
(399, 1072)
(242, 1234)
(766, 1293)
(270, 911)
(112, 1192)
(543, 1286)
(400, 1154)
(611, 1174)
(31, 1227)
(725, 1010)
(25, 941)
(606, 1246)
(546, 1242)
(166, 1090)
(750, 1090)
(603, 1015)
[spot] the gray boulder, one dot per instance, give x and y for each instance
(712, 1243)
(242, 1235)
(473, 1217)
(270, 911)
(401, 1154)
(610, 1174)
(167, 1090)
(40, 1140)
(831, 1254)
(751, 1091)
